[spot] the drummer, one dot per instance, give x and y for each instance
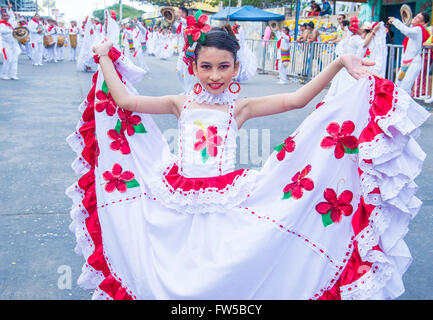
(52, 31)
(61, 41)
(36, 39)
(74, 33)
(11, 49)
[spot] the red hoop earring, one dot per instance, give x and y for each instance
(237, 87)
(197, 88)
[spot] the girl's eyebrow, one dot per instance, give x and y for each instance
(205, 62)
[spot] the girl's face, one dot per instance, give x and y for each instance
(215, 68)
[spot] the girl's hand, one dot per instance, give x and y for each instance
(356, 66)
(103, 48)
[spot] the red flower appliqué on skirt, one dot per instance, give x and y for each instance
(334, 208)
(119, 179)
(300, 182)
(340, 138)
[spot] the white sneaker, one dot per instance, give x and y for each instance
(428, 100)
(5, 78)
(15, 78)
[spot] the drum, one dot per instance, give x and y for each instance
(48, 41)
(21, 34)
(73, 40)
(60, 40)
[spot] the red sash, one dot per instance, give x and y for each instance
(6, 23)
(425, 36)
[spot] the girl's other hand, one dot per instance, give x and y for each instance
(103, 48)
(356, 66)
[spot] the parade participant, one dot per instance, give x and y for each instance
(52, 31)
(36, 39)
(183, 72)
(26, 47)
(416, 35)
(283, 54)
(10, 47)
(322, 219)
(374, 36)
(341, 29)
(61, 32)
(248, 63)
(85, 60)
(111, 28)
(352, 44)
(166, 45)
(73, 35)
(143, 36)
(135, 52)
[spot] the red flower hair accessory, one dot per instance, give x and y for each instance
(194, 33)
(235, 28)
(354, 24)
(196, 28)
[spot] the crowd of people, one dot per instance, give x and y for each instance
(369, 41)
(48, 38)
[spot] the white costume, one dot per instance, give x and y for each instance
(52, 51)
(283, 50)
(247, 59)
(186, 79)
(377, 51)
(411, 59)
(324, 218)
(353, 44)
(85, 60)
(10, 47)
(36, 41)
(73, 51)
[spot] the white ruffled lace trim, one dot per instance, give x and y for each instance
(396, 161)
(204, 201)
(225, 97)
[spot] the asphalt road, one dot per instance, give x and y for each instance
(37, 113)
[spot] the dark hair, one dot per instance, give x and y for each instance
(311, 24)
(342, 15)
(220, 38)
(184, 10)
(345, 23)
(426, 17)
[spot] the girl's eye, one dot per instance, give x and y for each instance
(224, 66)
(206, 67)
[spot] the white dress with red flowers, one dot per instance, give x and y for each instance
(324, 218)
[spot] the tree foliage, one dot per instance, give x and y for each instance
(127, 11)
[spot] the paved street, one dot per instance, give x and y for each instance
(39, 111)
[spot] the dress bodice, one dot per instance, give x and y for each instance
(207, 141)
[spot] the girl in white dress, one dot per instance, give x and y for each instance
(324, 218)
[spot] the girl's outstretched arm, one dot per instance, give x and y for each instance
(125, 100)
(268, 105)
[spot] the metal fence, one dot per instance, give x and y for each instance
(308, 59)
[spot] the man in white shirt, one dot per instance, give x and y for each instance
(52, 31)
(36, 40)
(11, 49)
(416, 35)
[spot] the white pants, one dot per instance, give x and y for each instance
(72, 54)
(37, 51)
(60, 53)
(52, 53)
(411, 74)
(10, 60)
(10, 66)
(282, 72)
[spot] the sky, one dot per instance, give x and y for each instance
(79, 9)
